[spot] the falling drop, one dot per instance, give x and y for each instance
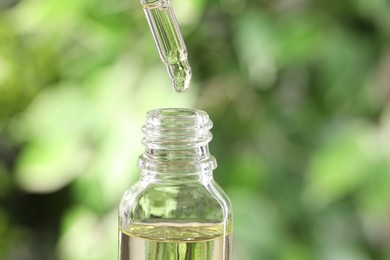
(180, 74)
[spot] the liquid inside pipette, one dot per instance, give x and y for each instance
(169, 42)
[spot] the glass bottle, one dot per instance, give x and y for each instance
(175, 211)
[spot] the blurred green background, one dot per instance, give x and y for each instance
(298, 90)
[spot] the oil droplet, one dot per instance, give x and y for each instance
(180, 74)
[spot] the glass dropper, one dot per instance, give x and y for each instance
(169, 41)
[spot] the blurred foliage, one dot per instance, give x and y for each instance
(298, 90)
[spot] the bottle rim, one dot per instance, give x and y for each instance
(176, 128)
(177, 118)
(177, 139)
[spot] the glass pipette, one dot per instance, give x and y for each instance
(169, 42)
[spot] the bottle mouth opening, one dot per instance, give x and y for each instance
(177, 118)
(177, 139)
(176, 128)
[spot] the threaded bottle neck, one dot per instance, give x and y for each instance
(176, 141)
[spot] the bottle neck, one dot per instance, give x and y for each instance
(176, 143)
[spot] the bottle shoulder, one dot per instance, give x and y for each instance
(195, 201)
(220, 194)
(130, 196)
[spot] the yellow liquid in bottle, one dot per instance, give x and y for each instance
(196, 241)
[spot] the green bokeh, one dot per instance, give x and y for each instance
(298, 92)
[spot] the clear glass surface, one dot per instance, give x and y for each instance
(169, 41)
(176, 207)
